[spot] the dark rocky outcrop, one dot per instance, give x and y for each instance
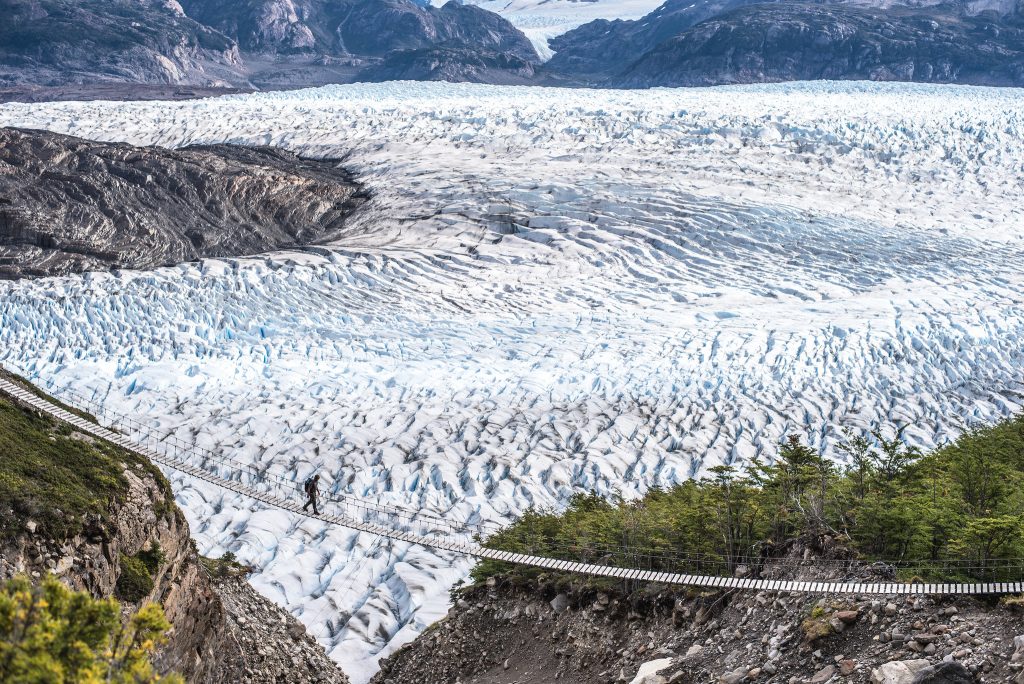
(364, 28)
(788, 41)
(452, 64)
(601, 49)
(55, 44)
(69, 205)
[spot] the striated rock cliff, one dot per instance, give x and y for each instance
(222, 631)
(49, 42)
(68, 204)
(452, 64)
(589, 632)
(790, 41)
(366, 28)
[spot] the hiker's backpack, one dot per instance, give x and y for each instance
(307, 486)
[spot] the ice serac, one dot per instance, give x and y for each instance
(551, 291)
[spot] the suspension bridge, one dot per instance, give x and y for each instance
(433, 531)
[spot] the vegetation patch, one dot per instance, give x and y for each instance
(135, 581)
(49, 633)
(59, 480)
(950, 514)
(816, 625)
(225, 566)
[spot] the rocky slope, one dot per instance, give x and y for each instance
(55, 44)
(786, 41)
(221, 629)
(735, 41)
(68, 204)
(453, 64)
(601, 49)
(366, 28)
(566, 631)
(51, 42)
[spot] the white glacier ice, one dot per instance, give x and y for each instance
(541, 20)
(551, 291)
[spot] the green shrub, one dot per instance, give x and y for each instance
(135, 582)
(963, 502)
(50, 634)
(153, 557)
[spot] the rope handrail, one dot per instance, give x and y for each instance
(442, 535)
(211, 460)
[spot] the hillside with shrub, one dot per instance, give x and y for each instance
(955, 513)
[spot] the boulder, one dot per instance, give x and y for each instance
(823, 675)
(898, 671)
(950, 672)
(1018, 649)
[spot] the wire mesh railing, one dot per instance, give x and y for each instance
(527, 539)
(281, 485)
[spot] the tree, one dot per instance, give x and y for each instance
(52, 635)
(862, 461)
(983, 540)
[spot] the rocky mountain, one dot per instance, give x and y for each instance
(103, 520)
(580, 632)
(453, 64)
(735, 41)
(68, 204)
(240, 43)
(785, 41)
(602, 48)
(51, 42)
(364, 28)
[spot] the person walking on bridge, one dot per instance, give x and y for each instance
(312, 493)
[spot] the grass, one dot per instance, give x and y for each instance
(225, 566)
(60, 479)
(43, 395)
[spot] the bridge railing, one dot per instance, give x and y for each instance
(284, 486)
(526, 540)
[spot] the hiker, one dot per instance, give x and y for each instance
(312, 492)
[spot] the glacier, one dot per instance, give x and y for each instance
(551, 291)
(541, 20)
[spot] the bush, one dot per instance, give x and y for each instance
(963, 502)
(153, 558)
(51, 634)
(135, 582)
(816, 625)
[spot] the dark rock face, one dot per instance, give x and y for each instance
(452, 64)
(256, 24)
(69, 205)
(357, 27)
(788, 41)
(54, 43)
(945, 673)
(363, 28)
(47, 42)
(600, 49)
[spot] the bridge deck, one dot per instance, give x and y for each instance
(445, 543)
